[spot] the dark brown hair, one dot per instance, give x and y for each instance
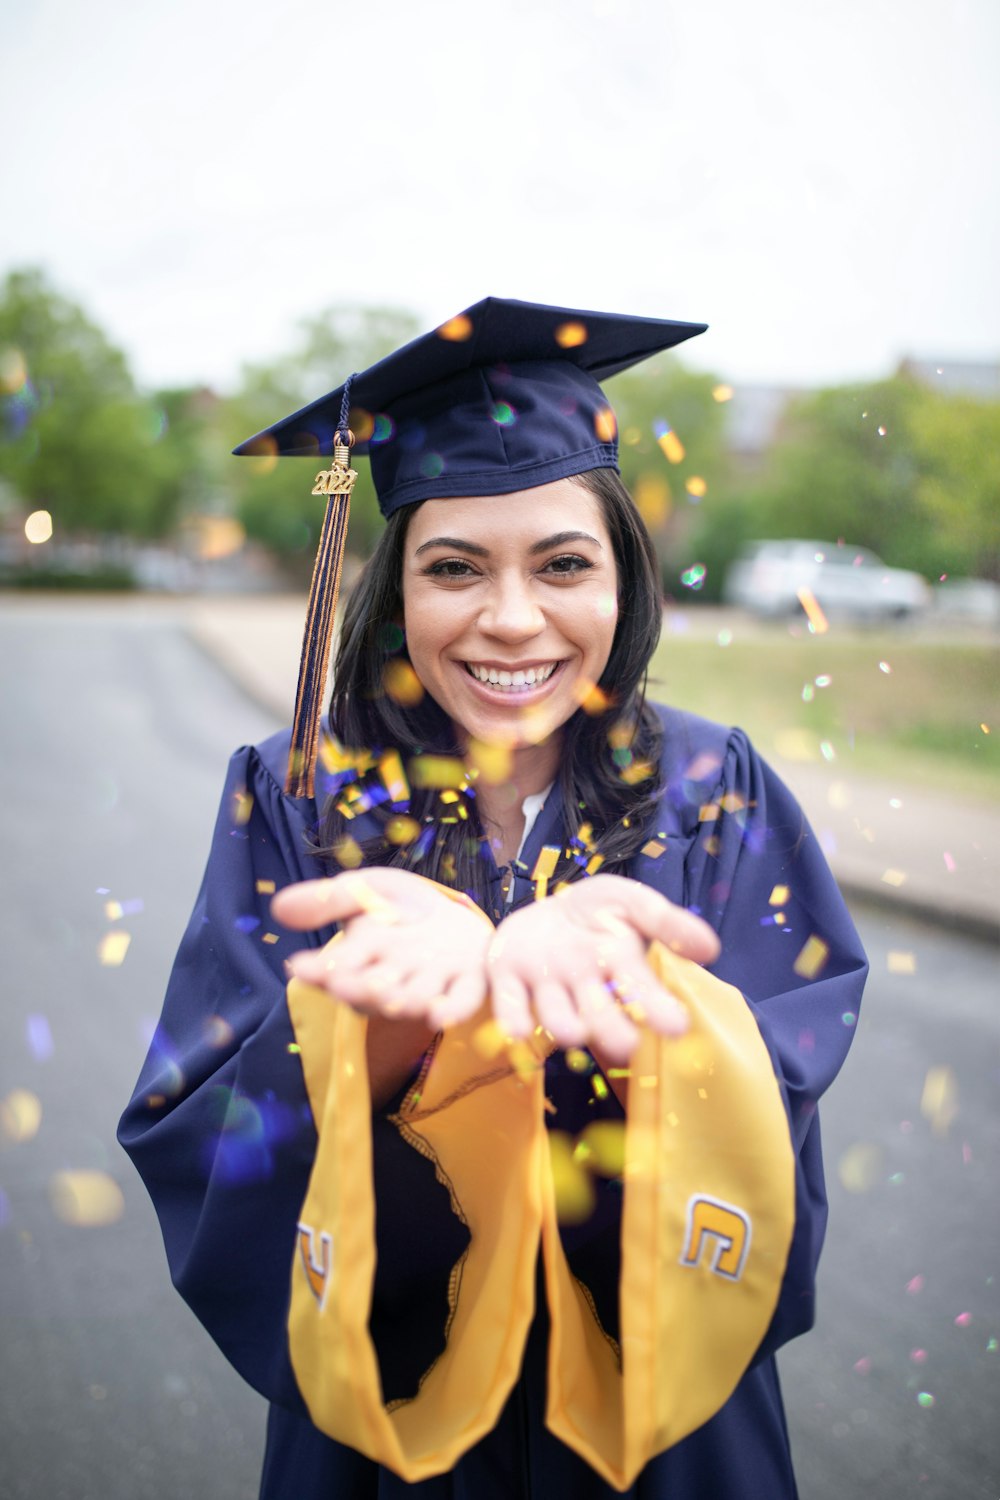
(597, 748)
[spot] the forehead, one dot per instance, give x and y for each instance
(521, 518)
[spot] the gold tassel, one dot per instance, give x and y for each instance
(337, 483)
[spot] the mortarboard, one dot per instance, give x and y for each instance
(500, 398)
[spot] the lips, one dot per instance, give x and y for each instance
(515, 679)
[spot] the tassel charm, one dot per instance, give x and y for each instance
(336, 483)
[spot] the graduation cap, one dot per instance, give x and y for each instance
(500, 398)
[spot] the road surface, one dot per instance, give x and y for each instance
(114, 739)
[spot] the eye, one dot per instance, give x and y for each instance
(566, 564)
(450, 567)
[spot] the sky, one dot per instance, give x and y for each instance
(816, 181)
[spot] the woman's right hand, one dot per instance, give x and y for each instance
(406, 949)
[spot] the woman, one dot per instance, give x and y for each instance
(517, 1203)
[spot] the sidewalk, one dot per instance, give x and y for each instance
(911, 850)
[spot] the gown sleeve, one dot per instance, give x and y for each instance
(220, 1126)
(757, 873)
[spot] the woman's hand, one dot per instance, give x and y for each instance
(405, 951)
(575, 963)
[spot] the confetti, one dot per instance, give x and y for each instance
(347, 852)
(915, 1286)
(605, 425)
(112, 948)
(812, 958)
(39, 1037)
(269, 937)
(918, 1356)
(592, 699)
(694, 576)
(571, 335)
(963, 1320)
(884, 666)
(814, 614)
(491, 761)
(939, 1099)
(863, 1365)
(779, 896)
(901, 963)
(925, 1399)
(827, 751)
(402, 830)
(604, 1145)
(401, 683)
(894, 877)
(860, 1167)
(456, 330)
(600, 1087)
(696, 487)
(571, 1182)
(265, 887)
(390, 768)
(86, 1199)
(436, 771)
(722, 393)
(20, 1116)
(670, 444)
(653, 849)
(217, 1031)
(579, 1061)
(242, 808)
(949, 862)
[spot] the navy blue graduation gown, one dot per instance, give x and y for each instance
(221, 1130)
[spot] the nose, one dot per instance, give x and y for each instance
(511, 612)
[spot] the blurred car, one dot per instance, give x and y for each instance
(769, 576)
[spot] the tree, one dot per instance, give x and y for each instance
(75, 437)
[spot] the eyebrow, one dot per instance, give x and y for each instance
(559, 539)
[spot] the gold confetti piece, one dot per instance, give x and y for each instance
(696, 486)
(348, 853)
(541, 888)
(112, 948)
(650, 1081)
(600, 1087)
(489, 1039)
(493, 762)
(901, 963)
(939, 1100)
(336, 759)
(590, 697)
(779, 919)
(653, 849)
(732, 802)
(814, 614)
(545, 864)
(711, 845)
(578, 1061)
(639, 770)
(20, 1115)
(402, 830)
(594, 863)
(812, 958)
(86, 1199)
(436, 771)
(671, 446)
(985, 728)
(574, 1191)
(722, 393)
(265, 887)
(113, 910)
(269, 937)
(585, 835)
(703, 1093)
(894, 877)
(860, 1167)
(449, 795)
(605, 425)
(571, 335)
(401, 683)
(217, 1031)
(708, 812)
(242, 808)
(778, 896)
(390, 768)
(604, 1144)
(457, 329)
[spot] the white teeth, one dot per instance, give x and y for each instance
(522, 678)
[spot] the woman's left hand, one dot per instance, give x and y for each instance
(405, 950)
(575, 963)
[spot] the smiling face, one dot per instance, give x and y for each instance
(510, 607)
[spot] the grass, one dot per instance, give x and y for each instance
(919, 722)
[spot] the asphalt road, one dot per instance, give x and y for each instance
(114, 741)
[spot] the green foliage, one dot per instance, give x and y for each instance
(273, 497)
(75, 437)
(957, 443)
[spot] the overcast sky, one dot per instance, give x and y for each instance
(817, 181)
